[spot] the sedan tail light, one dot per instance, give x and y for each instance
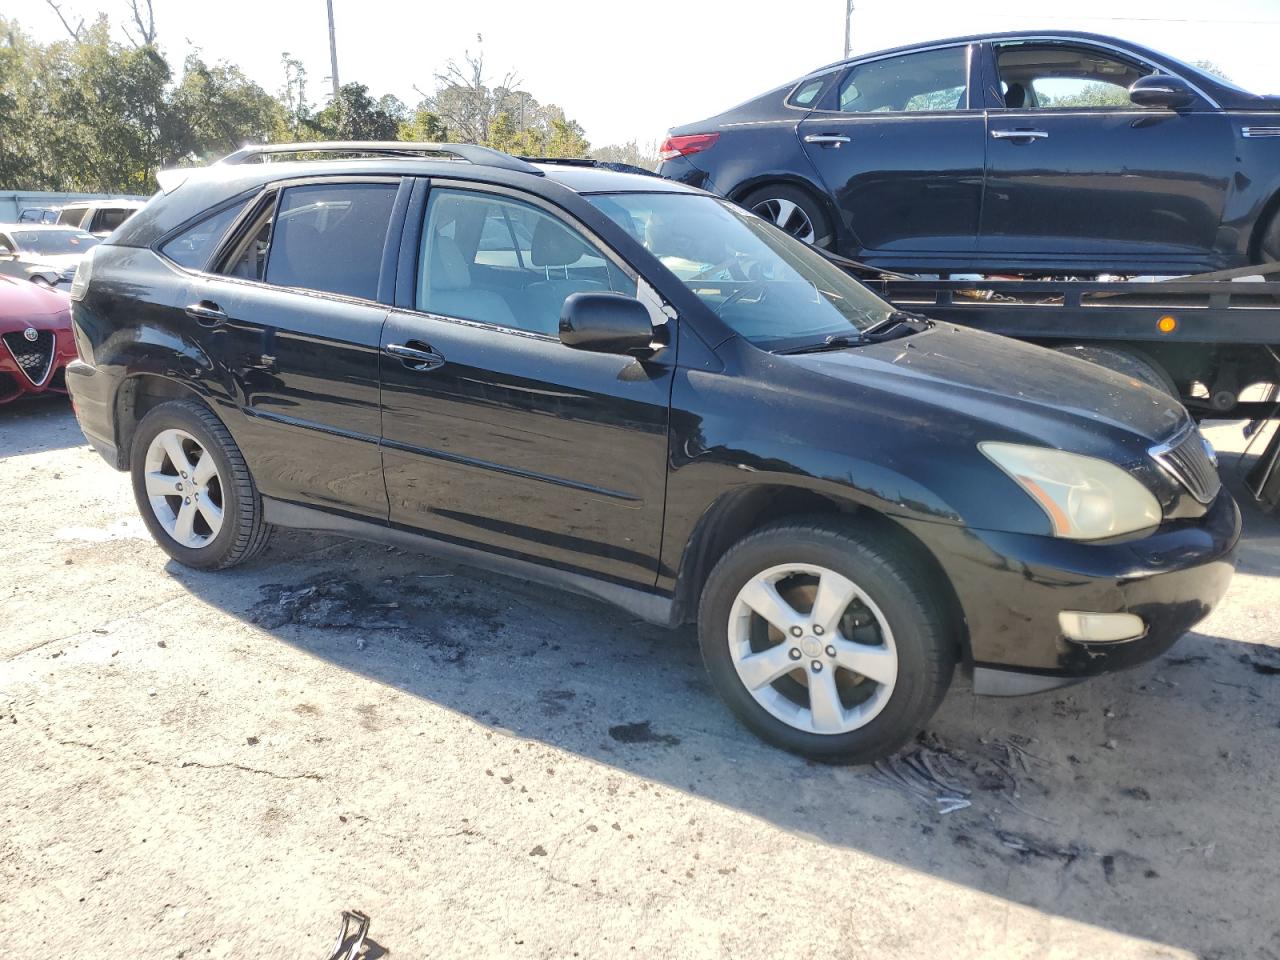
(686, 146)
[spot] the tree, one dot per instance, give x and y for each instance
(471, 108)
(354, 115)
(223, 109)
(632, 152)
(1208, 66)
(423, 126)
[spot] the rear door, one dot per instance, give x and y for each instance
(294, 315)
(899, 143)
(1077, 171)
(497, 435)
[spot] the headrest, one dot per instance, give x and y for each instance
(554, 246)
(1016, 96)
(447, 270)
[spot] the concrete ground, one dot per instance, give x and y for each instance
(216, 765)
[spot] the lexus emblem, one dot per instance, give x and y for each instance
(30, 334)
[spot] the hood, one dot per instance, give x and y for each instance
(1015, 387)
(22, 301)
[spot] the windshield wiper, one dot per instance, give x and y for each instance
(888, 328)
(837, 341)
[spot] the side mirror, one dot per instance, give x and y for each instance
(1159, 90)
(606, 323)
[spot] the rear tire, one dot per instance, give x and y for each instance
(193, 488)
(800, 213)
(1125, 362)
(849, 601)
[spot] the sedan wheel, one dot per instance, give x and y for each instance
(812, 648)
(786, 215)
(184, 488)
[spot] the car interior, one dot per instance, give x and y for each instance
(1056, 77)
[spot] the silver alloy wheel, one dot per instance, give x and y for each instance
(803, 665)
(788, 216)
(184, 488)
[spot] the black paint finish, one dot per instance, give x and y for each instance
(627, 476)
(1118, 189)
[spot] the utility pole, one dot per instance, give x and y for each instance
(848, 23)
(333, 50)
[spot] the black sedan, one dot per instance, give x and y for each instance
(1055, 152)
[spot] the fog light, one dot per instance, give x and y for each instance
(1101, 627)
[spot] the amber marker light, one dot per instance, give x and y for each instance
(1167, 324)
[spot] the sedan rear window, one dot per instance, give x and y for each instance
(774, 290)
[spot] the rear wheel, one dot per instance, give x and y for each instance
(1130, 364)
(825, 642)
(793, 210)
(193, 488)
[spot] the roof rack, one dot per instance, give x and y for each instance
(469, 152)
(617, 166)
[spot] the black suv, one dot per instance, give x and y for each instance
(629, 388)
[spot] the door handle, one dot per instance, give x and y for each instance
(207, 313)
(421, 358)
(826, 139)
(1020, 134)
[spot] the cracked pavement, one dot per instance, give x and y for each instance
(215, 765)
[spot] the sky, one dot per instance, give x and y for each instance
(631, 70)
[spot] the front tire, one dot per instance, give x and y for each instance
(193, 488)
(826, 641)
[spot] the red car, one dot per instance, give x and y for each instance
(35, 339)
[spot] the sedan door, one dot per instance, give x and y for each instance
(294, 316)
(497, 435)
(1077, 175)
(900, 146)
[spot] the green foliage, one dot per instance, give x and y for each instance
(93, 114)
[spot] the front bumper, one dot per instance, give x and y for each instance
(1011, 588)
(15, 381)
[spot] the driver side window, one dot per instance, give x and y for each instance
(1057, 77)
(504, 262)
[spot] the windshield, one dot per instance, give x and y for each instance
(769, 287)
(53, 241)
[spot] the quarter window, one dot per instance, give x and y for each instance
(194, 246)
(505, 262)
(929, 81)
(807, 92)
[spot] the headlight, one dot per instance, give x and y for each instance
(1085, 498)
(84, 273)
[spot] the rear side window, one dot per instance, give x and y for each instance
(71, 218)
(109, 218)
(931, 80)
(194, 246)
(330, 237)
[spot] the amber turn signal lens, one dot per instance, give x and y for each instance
(1167, 324)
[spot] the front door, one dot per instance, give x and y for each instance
(899, 145)
(497, 435)
(294, 316)
(1076, 173)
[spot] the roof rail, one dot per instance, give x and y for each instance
(391, 148)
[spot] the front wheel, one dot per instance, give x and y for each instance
(193, 488)
(825, 640)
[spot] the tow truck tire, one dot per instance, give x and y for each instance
(1269, 248)
(1126, 362)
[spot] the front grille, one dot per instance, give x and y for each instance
(1189, 459)
(34, 357)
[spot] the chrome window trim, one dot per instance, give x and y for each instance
(1125, 51)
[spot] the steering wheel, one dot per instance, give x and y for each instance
(740, 293)
(735, 271)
